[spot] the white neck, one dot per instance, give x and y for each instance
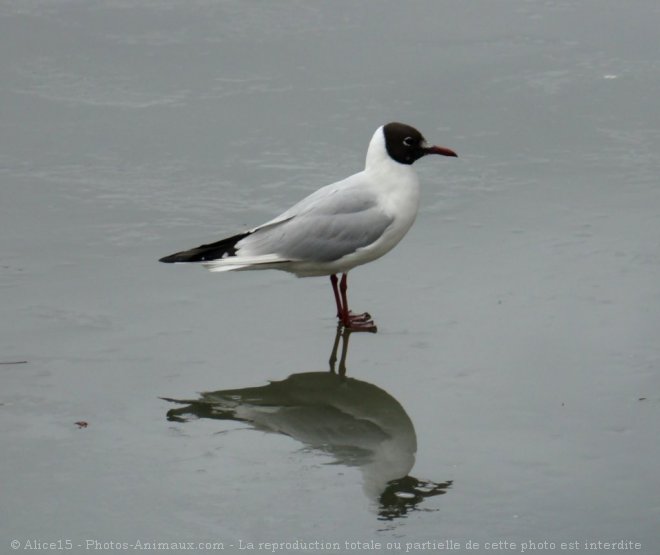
(377, 152)
(379, 162)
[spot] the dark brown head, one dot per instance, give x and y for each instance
(405, 144)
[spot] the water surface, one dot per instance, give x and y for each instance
(511, 392)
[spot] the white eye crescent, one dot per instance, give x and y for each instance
(409, 141)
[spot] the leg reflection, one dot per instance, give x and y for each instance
(342, 334)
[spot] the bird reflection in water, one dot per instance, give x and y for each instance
(356, 422)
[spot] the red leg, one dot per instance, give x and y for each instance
(343, 288)
(355, 322)
(333, 280)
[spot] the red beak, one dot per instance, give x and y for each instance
(442, 150)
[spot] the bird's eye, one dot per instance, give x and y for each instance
(409, 141)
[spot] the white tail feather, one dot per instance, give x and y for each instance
(242, 263)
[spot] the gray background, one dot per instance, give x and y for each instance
(518, 320)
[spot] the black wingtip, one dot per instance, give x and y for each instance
(213, 251)
(192, 255)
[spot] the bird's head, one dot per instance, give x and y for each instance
(405, 144)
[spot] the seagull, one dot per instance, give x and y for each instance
(338, 227)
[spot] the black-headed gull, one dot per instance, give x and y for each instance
(340, 226)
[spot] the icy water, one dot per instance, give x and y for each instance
(510, 398)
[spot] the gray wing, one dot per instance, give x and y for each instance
(331, 223)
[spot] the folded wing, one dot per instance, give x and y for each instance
(333, 222)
